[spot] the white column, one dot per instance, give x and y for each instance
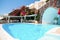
(8, 19)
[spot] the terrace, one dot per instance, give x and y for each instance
(31, 14)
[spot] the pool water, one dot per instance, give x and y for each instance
(27, 31)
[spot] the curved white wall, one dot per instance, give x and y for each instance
(49, 15)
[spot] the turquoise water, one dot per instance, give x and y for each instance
(26, 31)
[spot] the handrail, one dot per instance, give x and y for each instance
(19, 16)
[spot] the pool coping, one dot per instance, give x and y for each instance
(4, 35)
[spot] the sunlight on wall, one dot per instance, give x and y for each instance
(49, 15)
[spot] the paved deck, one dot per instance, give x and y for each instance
(55, 31)
(4, 35)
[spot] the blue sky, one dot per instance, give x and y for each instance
(7, 6)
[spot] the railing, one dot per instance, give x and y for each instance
(21, 17)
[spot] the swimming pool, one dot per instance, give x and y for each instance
(27, 31)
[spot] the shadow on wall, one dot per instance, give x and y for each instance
(49, 15)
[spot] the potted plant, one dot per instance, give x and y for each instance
(55, 20)
(38, 16)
